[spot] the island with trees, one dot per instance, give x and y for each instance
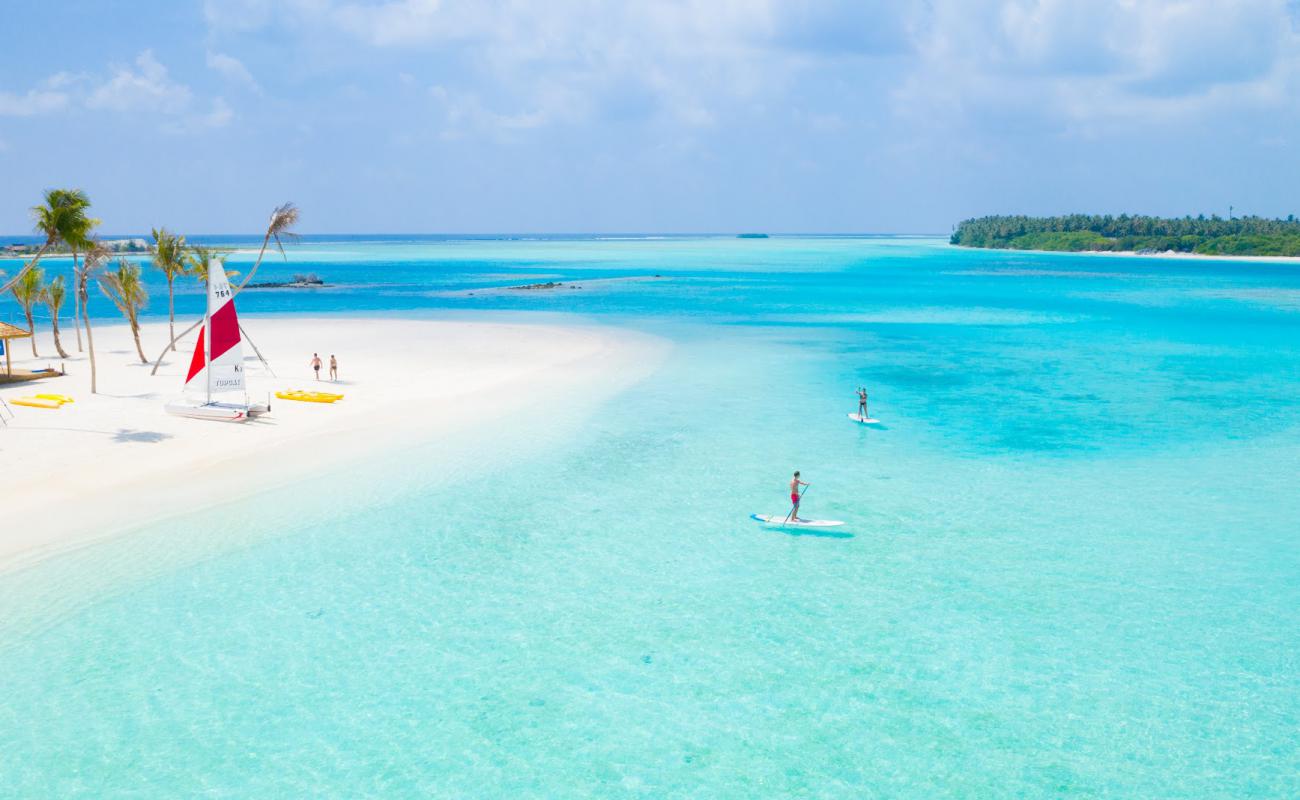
(1211, 236)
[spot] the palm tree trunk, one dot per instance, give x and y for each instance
(77, 298)
(31, 326)
(90, 341)
(171, 314)
(135, 331)
(265, 241)
(54, 326)
(158, 362)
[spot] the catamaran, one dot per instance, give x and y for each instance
(214, 384)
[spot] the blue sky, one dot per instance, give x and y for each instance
(667, 115)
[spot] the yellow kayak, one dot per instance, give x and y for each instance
(309, 397)
(61, 398)
(35, 402)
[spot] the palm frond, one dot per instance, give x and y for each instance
(54, 294)
(125, 287)
(27, 289)
(283, 218)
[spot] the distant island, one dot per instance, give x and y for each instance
(751, 236)
(1211, 236)
(310, 281)
(19, 250)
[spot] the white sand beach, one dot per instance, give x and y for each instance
(1166, 254)
(116, 459)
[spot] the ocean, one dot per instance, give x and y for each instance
(1069, 565)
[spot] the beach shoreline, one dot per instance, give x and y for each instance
(1167, 254)
(116, 461)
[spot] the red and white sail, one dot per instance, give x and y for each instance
(218, 362)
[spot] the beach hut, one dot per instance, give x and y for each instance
(8, 332)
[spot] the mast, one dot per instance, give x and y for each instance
(207, 329)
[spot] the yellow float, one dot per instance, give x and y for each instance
(308, 397)
(35, 402)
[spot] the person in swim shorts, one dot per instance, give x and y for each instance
(315, 364)
(862, 401)
(795, 483)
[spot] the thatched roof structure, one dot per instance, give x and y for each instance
(7, 332)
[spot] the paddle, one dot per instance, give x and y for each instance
(793, 506)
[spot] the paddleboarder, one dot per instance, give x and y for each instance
(795, 495)
(862, 402)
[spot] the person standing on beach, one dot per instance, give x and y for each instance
(795, 495)
(315, 364)
(862, 401)
(334, 368)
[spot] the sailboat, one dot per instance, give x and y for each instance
(214, 384)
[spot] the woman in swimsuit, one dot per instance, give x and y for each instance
(862, 401)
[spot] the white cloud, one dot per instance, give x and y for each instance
(1082, 61)
(145, 88)
(521, 64)
(33, 102)
(219, 115)
(566, 60)
(237, 15)
(232, 69)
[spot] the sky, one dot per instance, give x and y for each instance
(480, 116)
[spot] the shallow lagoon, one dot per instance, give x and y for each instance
(1072, 569)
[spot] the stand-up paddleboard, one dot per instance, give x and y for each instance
(864, 420)
(781, 520)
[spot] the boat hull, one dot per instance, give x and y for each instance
(217, 411)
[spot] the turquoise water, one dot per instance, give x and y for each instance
(1070, 566)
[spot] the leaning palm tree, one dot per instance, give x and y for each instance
(97, 256)
(283, 218)
(170, 257)
(125, 287)
(53, 296)
(27, 291)
(53, 219)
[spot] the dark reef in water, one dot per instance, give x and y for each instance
(547, 285)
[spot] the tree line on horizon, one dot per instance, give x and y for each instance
(64, 221)
(1213, 235)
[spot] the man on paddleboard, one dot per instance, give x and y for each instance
(795, 483)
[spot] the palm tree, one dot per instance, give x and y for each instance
(125, 287)
(283, 218)
(61, 209)
(74, 229)
(198, 259)
(97, 256)
(170, 257)
(26, 289)
(53, 295)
